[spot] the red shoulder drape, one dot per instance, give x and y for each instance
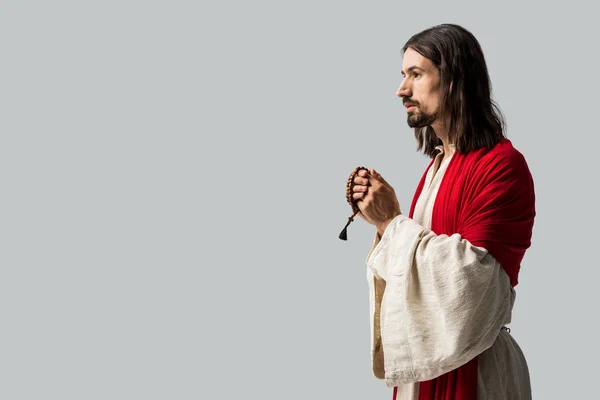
(487, 197)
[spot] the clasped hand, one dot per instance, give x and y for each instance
(376, 199)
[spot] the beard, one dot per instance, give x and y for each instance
(419, 119)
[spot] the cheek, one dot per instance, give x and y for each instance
(433, 97)
(428, 101)
(432, 104)
(422, 94)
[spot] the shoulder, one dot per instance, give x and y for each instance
(500, 169)
(504, 171)
(502, 158)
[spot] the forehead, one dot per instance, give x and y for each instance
(413, 58)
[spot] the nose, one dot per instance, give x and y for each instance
(404, 90)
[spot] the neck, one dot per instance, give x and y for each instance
(448, 148)
(442, 133)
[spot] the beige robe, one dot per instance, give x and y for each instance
(436, 302)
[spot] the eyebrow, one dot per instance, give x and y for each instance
(414, 67)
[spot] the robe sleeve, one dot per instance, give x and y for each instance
(444, 302)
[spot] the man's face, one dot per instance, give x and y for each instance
(419, 89)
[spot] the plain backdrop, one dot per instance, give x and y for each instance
(172, 190)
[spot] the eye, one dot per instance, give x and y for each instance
(416, 74)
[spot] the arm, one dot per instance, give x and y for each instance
(444, 303)
(445, 296)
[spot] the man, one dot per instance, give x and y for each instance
(441, 279)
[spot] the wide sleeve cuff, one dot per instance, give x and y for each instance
(445, 300)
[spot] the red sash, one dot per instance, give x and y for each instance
(486, 196)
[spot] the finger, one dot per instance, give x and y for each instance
(361, 181)
(359, 188)
(362, 172)
(377, 176)
(358, 195)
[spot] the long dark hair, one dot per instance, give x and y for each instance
(475, 119)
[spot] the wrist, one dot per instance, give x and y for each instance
(383, 226)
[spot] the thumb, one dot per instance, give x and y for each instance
(377, 176)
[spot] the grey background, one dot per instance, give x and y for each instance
(173, 186)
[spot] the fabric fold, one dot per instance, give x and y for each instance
(444, 302)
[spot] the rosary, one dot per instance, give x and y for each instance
(351, 201)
